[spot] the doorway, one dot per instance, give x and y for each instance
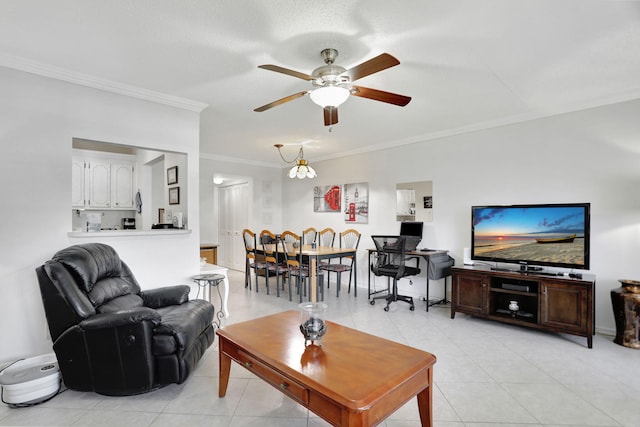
(233, 211)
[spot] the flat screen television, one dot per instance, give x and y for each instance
(554, 235)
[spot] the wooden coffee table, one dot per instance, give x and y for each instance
(354, 379)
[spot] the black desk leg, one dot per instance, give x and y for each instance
(427, 284)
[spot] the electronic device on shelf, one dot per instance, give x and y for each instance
(554, 235)
(515, 287)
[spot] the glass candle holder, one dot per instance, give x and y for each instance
(312, 323)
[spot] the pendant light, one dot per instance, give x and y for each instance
(302, 169)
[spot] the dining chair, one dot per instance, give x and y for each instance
(326, 237)
(349, 239)
(251, 258)
(297, 267)
(309, 235)
(273, 265)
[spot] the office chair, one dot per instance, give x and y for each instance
(390, 261)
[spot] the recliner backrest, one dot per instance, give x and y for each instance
(104, 278)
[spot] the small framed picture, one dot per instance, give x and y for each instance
(172, 175)
(174, 196)
(160, 215)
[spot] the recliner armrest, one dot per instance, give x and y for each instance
(120, 318)
(162, 297)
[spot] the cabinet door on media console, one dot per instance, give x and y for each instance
(565, 306)
(469, 294)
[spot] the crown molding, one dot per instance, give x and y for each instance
(227, 159)
(58, 73)
(492, 124)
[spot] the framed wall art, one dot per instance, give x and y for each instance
(174, 196)
(327, 198)
(356, 203)
(172, 175)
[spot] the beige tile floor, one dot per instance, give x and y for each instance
(487, 374)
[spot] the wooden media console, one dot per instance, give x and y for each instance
(545, 301)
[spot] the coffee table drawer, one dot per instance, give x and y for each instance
(275, 378)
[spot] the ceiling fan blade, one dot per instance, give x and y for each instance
(281, 101)
(380, 95)
(379, 63)
(330, 116)
(286, 71)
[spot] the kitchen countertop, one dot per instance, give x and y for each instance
(129, 233)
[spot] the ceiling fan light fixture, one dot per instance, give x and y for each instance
(333, 84)
(329, 96)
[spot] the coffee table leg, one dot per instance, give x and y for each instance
(425, 401)
(225, 368)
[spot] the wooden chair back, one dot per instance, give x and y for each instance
(326, 237)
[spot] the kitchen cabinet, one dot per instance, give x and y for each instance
(98, 184)
(542, 300)
(78, 195)
(102, 182)
(122, 181)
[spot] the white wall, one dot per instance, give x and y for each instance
(589, 156)
(38, 118)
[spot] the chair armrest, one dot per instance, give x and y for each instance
(162, 297)
(120, 318)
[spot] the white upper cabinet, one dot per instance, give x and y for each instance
(102, 182)
(122, 185)
(99, 183)
(78, 190)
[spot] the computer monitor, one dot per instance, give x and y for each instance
(411, 228)
(412, 231)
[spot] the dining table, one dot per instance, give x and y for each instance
(316, 254)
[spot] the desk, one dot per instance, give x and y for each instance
(320, 253)
(344, 381)
(426, 254)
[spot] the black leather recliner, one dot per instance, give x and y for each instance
(111, 337)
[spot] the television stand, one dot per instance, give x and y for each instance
(543, 301)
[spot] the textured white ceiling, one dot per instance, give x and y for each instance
(468, 64)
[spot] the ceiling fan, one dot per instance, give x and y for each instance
(332, 84)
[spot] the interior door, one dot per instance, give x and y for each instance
(233, 214)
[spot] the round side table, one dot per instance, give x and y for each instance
(206, 281)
